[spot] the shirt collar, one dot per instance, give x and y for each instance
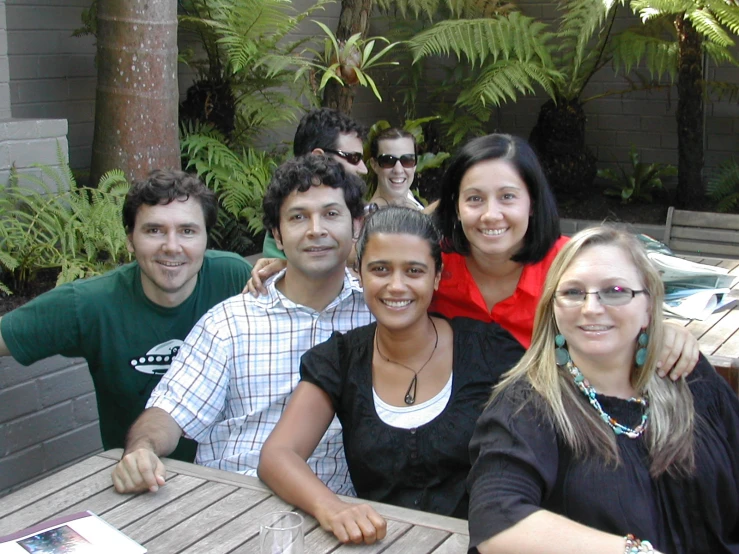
(274, 297)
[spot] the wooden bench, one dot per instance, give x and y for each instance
(702, 233)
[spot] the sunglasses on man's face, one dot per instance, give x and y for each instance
(352, 157)
(386, 161)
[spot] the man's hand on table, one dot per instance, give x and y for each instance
(138, 471)
(356, 523)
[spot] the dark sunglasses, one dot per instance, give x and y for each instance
(386, 161)
(352, 157)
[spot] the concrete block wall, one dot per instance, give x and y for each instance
(48, 418)
(25, 142)
(52, 74)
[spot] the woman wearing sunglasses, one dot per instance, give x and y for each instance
(393, 160)
(582, 448)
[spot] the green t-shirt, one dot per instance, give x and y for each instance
(126, 339)
(269, 248)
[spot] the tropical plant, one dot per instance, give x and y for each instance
(348, 62)
(239, 179)
(249, 52)
(638, 184)
(513, 55)
(723, 186)
(673, 41)
(76, 230)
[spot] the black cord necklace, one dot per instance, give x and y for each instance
(410, 394)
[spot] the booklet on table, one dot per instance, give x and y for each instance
(80, 533)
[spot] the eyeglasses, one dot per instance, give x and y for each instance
(386, 161)
(609, 296)
(352, 157)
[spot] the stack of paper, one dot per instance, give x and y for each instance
(693, 290)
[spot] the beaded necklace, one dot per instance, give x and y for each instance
(587, 389)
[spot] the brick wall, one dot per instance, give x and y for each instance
(25, 142)
(52, 74)
(48, 418)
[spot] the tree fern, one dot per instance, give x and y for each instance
(723, 186)
(240, 180)
(476, 40)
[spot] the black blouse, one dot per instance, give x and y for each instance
(520, 465)
(423, 468)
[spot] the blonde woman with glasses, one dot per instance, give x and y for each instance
(582, 447)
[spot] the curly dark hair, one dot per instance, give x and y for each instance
(321, 129)
(163, 186)
(308, 171)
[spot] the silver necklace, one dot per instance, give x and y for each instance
(410, 394)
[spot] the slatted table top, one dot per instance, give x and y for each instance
(718, 335)
(204, 510)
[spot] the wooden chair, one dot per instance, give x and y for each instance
(702, 233)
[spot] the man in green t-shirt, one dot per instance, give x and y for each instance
(325, 131)
(129, 323)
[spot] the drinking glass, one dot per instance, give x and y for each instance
(281, 533)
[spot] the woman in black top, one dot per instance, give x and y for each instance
(407, 390)
(583, 448)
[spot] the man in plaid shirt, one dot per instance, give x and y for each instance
(233, 376)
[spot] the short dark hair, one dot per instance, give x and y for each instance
(308, 171)
(321, 129)
(543, 230)
(390, 134)
(163, 186)
(400, 220)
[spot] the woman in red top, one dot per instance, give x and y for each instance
(500, 233)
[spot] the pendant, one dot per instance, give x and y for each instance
(410, 394)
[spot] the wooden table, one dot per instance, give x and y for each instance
(203, 510)
(718, 335)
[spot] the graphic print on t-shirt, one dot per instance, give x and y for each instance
(157, 359)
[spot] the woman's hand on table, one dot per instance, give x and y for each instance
(263, 269)
(679, 352)
(138, 471)
(356, 523)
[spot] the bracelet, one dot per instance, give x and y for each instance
(635, 546)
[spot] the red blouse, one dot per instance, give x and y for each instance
(459, 295)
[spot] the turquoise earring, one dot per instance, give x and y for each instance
(561, 355)
(641, 353)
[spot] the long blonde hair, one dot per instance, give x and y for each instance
(670, 430)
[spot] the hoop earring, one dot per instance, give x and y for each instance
(561, 355)
(641, 353)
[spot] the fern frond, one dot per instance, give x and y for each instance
(649, 44)
(476, 39)
(723, 186)
(706, 24)
(727, 14)
(504, 81)
(648, 9)
(581, 20)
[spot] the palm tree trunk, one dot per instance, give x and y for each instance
(353, 19)
(690, 187)
(137, 94)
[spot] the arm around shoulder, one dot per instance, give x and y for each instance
(154, 434)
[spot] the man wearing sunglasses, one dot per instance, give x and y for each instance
(328, 131)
